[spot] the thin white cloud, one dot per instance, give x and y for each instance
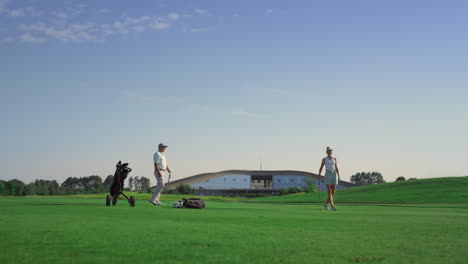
(203, 108)
(120, 27)
(159, 25)
(103, 10)
(200, 12)
(199, 30)
(65, 24)
(137, 20)
(285, 93)
(140, 24)
(139, 28)
(27, 37)
(223, 111)
(140, 98)
(106, 30)
(7, 39)
(61, 15)
(68, 33)
(26, 11)
(173, 16)
(241, 112)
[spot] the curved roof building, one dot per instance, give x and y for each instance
(236, 181)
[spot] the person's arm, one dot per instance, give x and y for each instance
(156, 165)
(321, 167)
(168, 169)
(337, 170)
(156, 159)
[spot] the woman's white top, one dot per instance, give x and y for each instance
(330, 164)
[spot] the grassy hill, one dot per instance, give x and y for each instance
(436, 190)
(147, 196)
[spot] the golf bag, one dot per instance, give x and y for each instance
(194, 203)
(116, 189)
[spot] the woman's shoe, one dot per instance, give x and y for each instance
(333, 208)
(325, 206)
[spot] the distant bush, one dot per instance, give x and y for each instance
(184, 189)
(291, 190)
(311, 186)
(401, 178)
(168, 191)
(255, 195)
(294, 190)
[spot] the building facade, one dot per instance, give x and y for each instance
(242, 181)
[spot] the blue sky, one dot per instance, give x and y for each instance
(229, 83)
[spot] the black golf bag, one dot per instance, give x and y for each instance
(194, 203)
(117, 186)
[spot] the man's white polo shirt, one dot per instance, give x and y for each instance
(160, 159)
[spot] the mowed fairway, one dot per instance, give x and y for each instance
(74, 230)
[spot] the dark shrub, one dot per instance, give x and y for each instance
(294, 190)
(185, 189)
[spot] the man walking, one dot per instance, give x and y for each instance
(160, 168)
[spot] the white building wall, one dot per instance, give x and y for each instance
(224, 183)
(288, 181)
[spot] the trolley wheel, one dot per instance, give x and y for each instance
(108, 200)
(132, 201)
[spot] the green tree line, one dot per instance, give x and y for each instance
(72, 185)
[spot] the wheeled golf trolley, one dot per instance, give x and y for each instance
(116, 188)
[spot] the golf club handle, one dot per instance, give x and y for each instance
(168, 179)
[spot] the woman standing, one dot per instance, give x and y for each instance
(331, 170)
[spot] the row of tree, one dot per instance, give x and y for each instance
(94, 184)
(72, 185)
(402, 178)
(366, 178)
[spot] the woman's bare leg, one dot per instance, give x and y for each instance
(332, 192)
(329, 198)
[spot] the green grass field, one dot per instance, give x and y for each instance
(432, 191)
(79, 230)
(147, 196)
(436, 190)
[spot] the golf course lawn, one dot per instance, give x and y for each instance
(449, 190)
(79, 230)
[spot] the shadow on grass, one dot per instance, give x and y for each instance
(426, 207)
(73, 204)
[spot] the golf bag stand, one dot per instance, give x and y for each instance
(116, 189)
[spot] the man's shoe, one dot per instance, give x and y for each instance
(333, 208)
(325, 206)
(152, 203)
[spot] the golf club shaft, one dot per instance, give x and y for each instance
(168, 180)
